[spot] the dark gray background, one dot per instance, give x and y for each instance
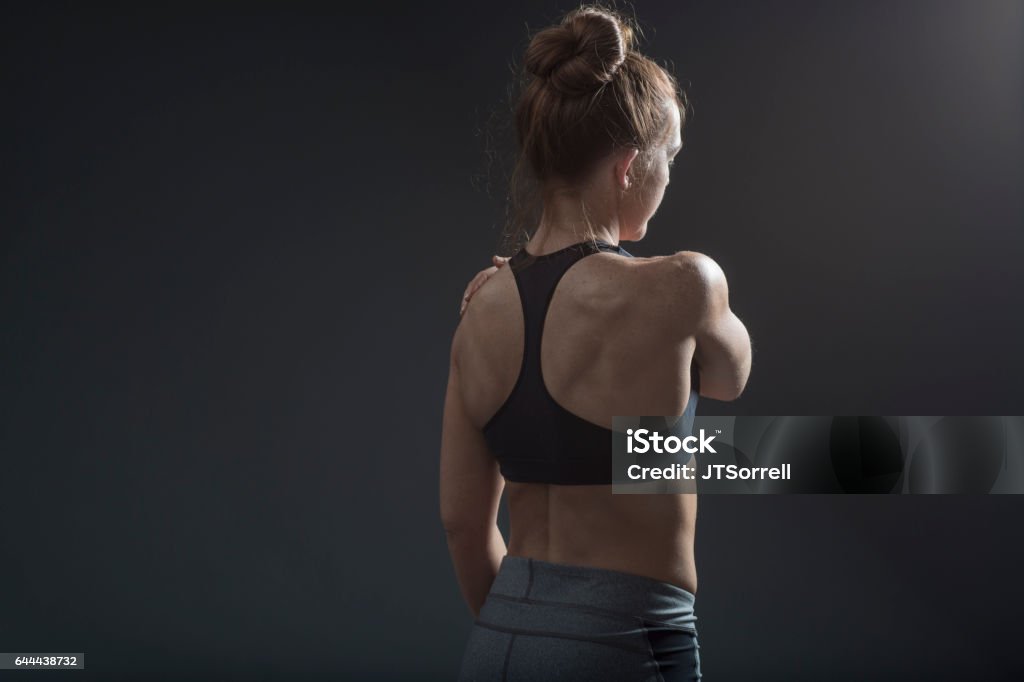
(234, 237)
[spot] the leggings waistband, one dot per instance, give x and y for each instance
(535, 581)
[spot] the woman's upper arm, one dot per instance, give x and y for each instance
(471, 482)
(723, 351)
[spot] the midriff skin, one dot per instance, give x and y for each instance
(650, 535)
(615, 343)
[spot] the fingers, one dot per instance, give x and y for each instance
(475, 284)
(467, 294)
(478, 281)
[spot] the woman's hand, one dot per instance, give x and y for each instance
(479, 280)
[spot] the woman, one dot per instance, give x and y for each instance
(592, 586)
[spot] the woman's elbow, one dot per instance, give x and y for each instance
(458, 527)
(725, 389)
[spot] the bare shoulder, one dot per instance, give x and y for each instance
(490, 315)
(681, 286)
(690, 268)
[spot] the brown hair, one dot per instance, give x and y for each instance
(584, 92)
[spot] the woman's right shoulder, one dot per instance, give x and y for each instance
(680, 285)
(683, 268)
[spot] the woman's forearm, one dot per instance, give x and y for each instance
(476, 555)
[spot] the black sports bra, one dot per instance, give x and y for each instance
(535, 439)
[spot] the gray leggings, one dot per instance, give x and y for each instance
(547, 621)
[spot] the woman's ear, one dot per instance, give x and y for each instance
(622, 167)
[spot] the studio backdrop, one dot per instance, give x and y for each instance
(233, 243)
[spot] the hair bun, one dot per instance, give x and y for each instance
(580, 54)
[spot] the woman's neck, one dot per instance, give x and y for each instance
(549, 237)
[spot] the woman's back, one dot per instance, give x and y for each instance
(592, 585)
(618, 339)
